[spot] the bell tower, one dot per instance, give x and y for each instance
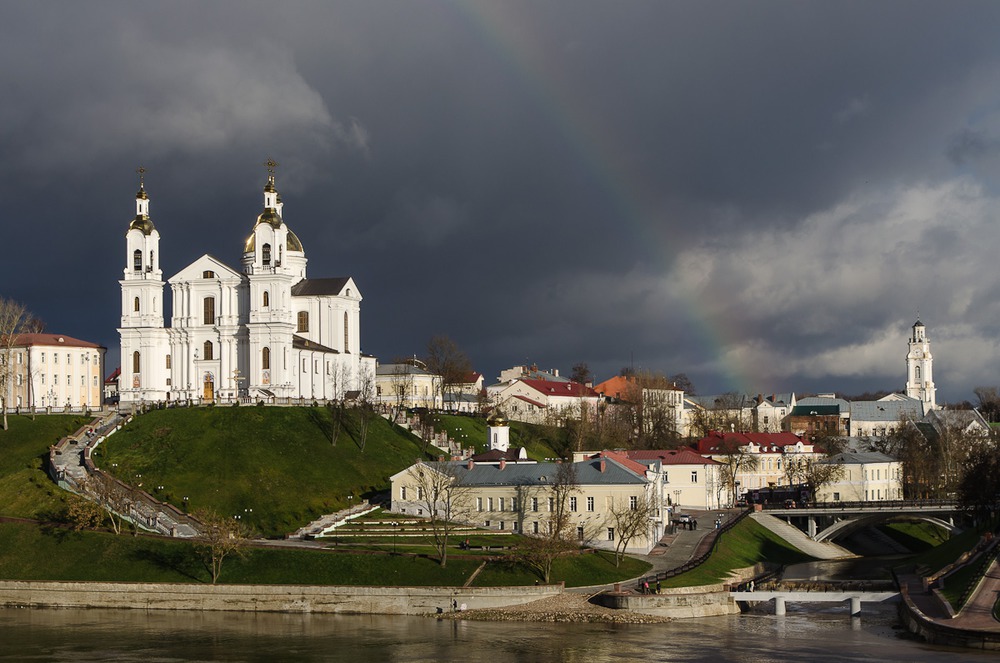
(919, 368)
(143, 336)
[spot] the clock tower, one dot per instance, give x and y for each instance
(919, 367)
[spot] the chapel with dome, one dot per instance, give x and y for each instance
(266, 332)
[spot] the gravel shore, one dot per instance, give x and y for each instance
(567, 607)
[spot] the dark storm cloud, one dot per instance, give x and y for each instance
(762, 195)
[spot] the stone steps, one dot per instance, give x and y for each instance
(799, 539)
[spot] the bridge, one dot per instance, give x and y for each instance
(780, 598)
(843, 517)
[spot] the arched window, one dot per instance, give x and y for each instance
(137, 260)
(209, 317)
(135, 361)
(347, 336)
(135, 305)
(265, 359)
(267, 299)
(266, 254)
(916, 373)
(209, 350)
(303, 320)
(208, 274)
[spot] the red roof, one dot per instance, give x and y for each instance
(528, 400)
(683, 456)
(716, 441)
(624, 461)
(550, 388)
(114, 376)
(27, 340)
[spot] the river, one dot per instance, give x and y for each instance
(807, 635)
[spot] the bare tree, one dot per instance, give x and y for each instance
(339, 378)
(116, 498)
(540, 552)
(631, 519)
(446, 496)
(15, 320)
(221, 537)
(446, 359)
(989, 402)
(736, 461)
(581, 373)
(813, 471)
(727, 413)
(365, 407)
(401, 382)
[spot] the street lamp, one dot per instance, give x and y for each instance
(394, 524)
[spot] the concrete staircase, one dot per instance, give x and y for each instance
(799, 539)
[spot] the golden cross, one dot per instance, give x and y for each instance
(141, 171)
(271, 165)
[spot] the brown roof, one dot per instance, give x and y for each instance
(28, 340)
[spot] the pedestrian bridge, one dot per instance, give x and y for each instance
(854, 599)
(826, 521)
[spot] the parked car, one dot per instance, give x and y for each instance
(790, 504)
(684, 518)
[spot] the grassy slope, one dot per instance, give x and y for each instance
(25, 488)
(917, 536)
(277, 461)
(539, 441)
(59, 554)
(745, 545)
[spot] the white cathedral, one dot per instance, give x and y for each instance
(264, 333)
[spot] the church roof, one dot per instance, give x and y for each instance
(331, 286)
(302, 343)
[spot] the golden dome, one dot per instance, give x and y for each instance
(250, 244)
(496, 418)
(141, 195)
(293, 243)
(141, 222)
(269, 216)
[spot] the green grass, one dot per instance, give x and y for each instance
(540, 442)
(916, 536)
(58, 554)
(276, 461)
(941, 556)
(744, 545)
(26, 491)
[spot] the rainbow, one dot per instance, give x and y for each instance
(515, 40)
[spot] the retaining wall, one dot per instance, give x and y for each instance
(676, 603)
(265, 598)
(940, 634)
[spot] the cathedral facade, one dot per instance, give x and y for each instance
(264, 332)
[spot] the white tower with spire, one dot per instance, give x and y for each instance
(143, 337)
(919, 368)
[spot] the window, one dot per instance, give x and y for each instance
(267, 299)
(552, 504)
(83, 360)
(513, 504)
(666, 477)
(83, 380)
(694, 477)
(168, 362)
(69, 380)
(135, 361)
(303, 321)
(500, 525)
(633, 502)
(534, 527)
(135, 305)
(265, 359)
(579, 532)
(55, 357)
(402, 492)
(137, 260)
(347, 344)
(209, 274)
(590, 504)
(43, 357)
(611, 534)
(479, 504)
(43, 378)
(420, 493)
(209, 350)
(209, 311)
(18, 380)
(499, 504)
(489, 503)
(534, 504)
(572, 504)
(266, 254)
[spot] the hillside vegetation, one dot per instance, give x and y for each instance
(25, 488)
(275, 467)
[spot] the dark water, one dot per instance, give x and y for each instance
(160, 637)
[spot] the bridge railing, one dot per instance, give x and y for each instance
(872, 504)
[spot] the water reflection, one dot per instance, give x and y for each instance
(155, 637)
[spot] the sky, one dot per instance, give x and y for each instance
(762, 195)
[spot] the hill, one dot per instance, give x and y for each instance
(275, 467)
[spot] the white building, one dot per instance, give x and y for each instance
(266, 332)
(919, 368)
(543, 401)
(868, 476)
(408, 384)
(56, 371)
